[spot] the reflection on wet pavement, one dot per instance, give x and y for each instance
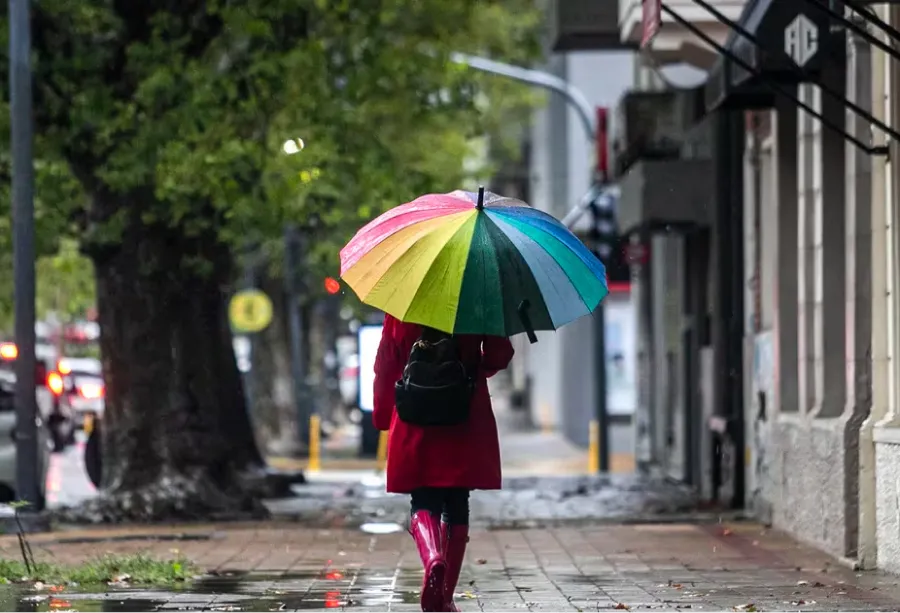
(235, 591)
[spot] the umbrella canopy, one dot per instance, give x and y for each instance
(473, 263)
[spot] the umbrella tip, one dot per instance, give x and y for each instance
(480, 204)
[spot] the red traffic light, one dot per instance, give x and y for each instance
(332, 286)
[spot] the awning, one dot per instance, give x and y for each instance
(788, 43)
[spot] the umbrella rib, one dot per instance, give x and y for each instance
(576, 247)
(553, 280)
(551, 236)
(462, 228)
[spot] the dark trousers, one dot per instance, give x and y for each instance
(451, 503)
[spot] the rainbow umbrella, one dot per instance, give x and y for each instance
(468, 263)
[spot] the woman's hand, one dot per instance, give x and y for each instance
(496, 354)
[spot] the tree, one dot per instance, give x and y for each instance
(163, 123)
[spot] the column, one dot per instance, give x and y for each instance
(829, 180)
(858, 283)
(786, 299)
(806, 197)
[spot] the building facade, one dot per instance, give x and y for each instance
(767, 323)
(805, 432)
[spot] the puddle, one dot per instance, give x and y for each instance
(332, 587)
(381, 528)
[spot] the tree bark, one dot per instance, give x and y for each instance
(178, 443)
(274, 405)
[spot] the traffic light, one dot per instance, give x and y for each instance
(604, 233)
(603, 237)
(332, 285)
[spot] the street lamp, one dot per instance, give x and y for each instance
(293, 145)
(593, 200)
(21, 116)
(294, 251)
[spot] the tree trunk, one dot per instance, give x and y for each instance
(178, 443)
(274, 406)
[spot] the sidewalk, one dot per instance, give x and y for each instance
(663, 567)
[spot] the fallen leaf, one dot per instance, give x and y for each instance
(481, 561)
(57, 588)
(726, 532)
(622, 607)
(801, 582)
(39, 585)
(749, 607)
(468, 596)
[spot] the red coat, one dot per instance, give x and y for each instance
(467, 455)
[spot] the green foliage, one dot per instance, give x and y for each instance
(136, 569)
(180, 110)
(65, 282)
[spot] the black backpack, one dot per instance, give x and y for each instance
(436, 387)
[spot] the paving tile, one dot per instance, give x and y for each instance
(667, 567)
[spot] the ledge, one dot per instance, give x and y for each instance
(889, 435)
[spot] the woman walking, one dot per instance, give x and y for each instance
(439, 465)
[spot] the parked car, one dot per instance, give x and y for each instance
(8, 443)
(56, 417)
(82, 394)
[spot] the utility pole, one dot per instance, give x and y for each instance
(595, 128)
(21, 115)
(293, 254)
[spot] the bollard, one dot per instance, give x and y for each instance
(381, 456)
(594, 448)
(315, 451)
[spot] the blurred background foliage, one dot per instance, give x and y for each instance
(195, 103)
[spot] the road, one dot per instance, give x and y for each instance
(67, 480)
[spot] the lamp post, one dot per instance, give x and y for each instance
(27, 486)
(594, 124)
(294, 252)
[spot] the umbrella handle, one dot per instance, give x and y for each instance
(526, 321)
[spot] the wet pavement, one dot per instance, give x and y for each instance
(523, 503)
(606, 543)
(351, 498)
(277, 566)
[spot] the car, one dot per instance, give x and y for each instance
(52, 414)
(81, 391)
(8, 444)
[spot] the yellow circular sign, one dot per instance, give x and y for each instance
(250, 311)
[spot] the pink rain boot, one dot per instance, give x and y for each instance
(455, 538)
(426, 532)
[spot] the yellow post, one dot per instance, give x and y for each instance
(381, 456)
(594, 448)
(315, 450)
